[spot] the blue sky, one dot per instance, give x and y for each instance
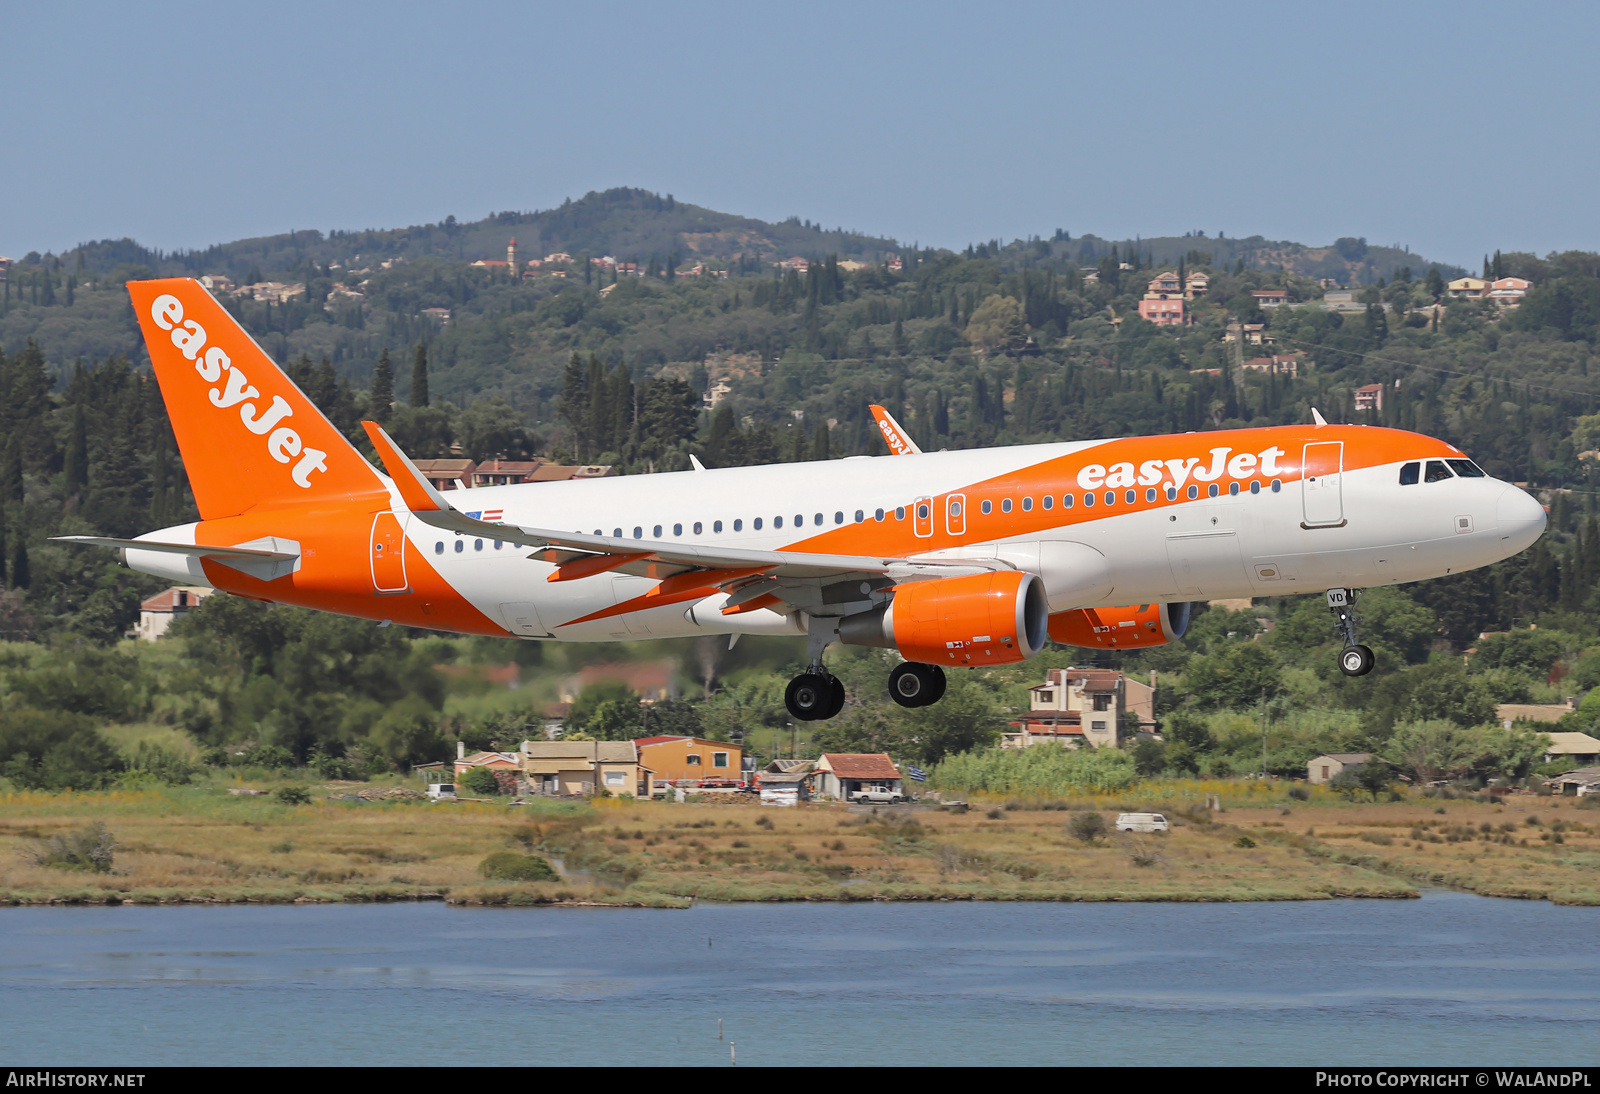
(1452, 128)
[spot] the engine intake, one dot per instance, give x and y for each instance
(982, 619)
(1134, 627)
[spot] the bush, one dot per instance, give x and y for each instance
(90, 848)
(1087, 826)
(293, 795)
(1244, 841)
(480, 780)
(510, 866)
(1299, 793)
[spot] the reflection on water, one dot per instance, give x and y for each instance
(1448, 979)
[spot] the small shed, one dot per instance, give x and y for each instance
(1579, 783)
(1324, 768)
(1577, 747)
(840, 774)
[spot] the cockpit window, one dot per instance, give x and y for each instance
(1410, 473)
(1467, 469)
(1437, 472)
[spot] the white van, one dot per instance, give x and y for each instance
(1142, 822)
(442, 792)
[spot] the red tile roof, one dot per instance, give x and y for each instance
(861, 765)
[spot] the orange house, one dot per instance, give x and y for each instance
(689, 759)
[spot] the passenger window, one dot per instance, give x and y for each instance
(677, 529)
(860, 516)
(1467, 469)
(1172, 493)
(638, 533)
(656, 533)
(1255, 486)
(1194, 492)
(461, 545)
(438, 548)
(697, 527)
(987, 507)
(1131, 496)
(1111, 497)
(1233, 489)
(477, 545)
(616, 533)
(1150, 494)
(498, 544)
(716, 526)
(738, 526)
(922, 511)
(1212, 491)
(1088, 500)
(817, 519)
(756, 524)
(838, 518)
(1277, 484)
(1048, 501)
(777, 522)
(1437, 472)
(900, 512)
(1067, 500)
(1027, 505)
(1005, 505)
(1411, 473)
(877, 515)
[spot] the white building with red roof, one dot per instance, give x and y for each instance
(840, 774)
(157, 613)
(1082, 707)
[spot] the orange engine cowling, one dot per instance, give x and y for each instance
(982, 619)
(1130, 628)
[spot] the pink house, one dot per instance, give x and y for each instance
(1162, 310)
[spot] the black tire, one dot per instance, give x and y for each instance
(835, 700)
(808, 696)
(1355, 660)
(909, 685)
(936, 674)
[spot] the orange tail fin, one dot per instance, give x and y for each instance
(250, 438)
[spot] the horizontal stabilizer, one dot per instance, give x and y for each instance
(265, 559)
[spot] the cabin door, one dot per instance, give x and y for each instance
(1322, 484)
(387, 554)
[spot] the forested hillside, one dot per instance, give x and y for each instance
(1030, 340)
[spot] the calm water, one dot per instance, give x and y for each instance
(1448, 979)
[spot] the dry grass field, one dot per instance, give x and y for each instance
(203, 844)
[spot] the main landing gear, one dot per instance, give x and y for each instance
(915, 685)
(1355, 659)
(814, 696)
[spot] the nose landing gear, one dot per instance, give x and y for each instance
(916, 685)
(1355, 659)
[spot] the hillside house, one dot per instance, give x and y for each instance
(1509, 291)
(1369, 397)
(1082, 707)
(687, 761)
(797, 264)
(438, 315)
(651, 681)
(1323, 768)
(1277, 365)
(1196, 285)
(840, 774)
(5, 266)
(447, 474)
(504, 472)
(1270, 298)
(157, 613)
(571, 768)
(494, 761)
(1162, 309)
(1166, 282)
(217, 283)
(1467, 288)
(1580, 783)
(1509, 713)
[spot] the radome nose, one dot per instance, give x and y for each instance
(1520, 516)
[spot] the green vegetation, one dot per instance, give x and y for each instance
(510, 866)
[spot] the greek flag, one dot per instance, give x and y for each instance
(916, 774)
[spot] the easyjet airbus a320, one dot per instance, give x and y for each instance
(952, 558)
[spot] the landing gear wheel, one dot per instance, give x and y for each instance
(835, 700)
(916, 685)
(1355, 660)
(810, 696)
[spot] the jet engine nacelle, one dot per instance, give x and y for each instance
(1134, 627)
(981, 619)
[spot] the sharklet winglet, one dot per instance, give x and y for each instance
(416, 491)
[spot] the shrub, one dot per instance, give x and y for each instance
(89, 848)
(1244, 841)
(510, 866)
(480, 780)
(1299, 793)
(1087, 826)
(293, 795)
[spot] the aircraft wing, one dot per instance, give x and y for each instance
(788, 577)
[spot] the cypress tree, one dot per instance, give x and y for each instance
(419, 376)
(21, 573)
(819, 443)
(382, 389)
(76, 469)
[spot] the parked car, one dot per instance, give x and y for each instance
(876, 795)
(1142, 822)
(442, 792)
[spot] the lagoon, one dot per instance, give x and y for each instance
(1448, 979)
